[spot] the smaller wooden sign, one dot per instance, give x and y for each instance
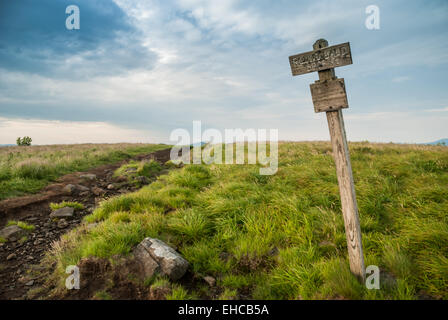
(329, 95)
(322, 59)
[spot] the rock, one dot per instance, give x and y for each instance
(84, 193)
(142, 180)
(29, 283)
(62, 224)
(149, 265)
(82, 188)
(69, 189)
(98, 191)
(110, 187)
(130, 170)
(157, 257)
(66, 212)
(12, 233)
(11, 256)
(88, 176)
(210, 280)
(121, 179)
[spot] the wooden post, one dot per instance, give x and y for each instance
(347, 192)
(329, 95)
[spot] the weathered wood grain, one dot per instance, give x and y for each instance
(347, 192)
(323, 58)
(329, 95)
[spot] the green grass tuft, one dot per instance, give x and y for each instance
(283, 236)
(21, 224)
(63, 204)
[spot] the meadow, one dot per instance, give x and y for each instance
(27, 169)
(282, 236)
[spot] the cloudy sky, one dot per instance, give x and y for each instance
(136, 70)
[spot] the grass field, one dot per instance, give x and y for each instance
(27, 169)
(282, 236)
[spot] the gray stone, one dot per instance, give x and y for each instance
(29, 283)
(157, 257)
(12, 233)
(149, 265)
(88, 176)
(82, 188)
(66, 212)
(110, 187)
(210, 280)
(11, 256)
(62, 224)
(69, 189)
(98, 191)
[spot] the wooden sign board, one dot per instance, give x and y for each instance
(322, 59)
(329, 95)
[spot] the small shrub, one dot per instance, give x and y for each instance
(25, 141)
(103, 295)
(21, 224)
(63, 204)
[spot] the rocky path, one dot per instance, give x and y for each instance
(23, 251)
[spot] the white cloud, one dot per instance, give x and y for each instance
(401, 79)
(226, 63)
(438, 110)
(62, 132)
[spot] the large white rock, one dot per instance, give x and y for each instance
(157, 257)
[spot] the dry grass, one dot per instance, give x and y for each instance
(27, 169)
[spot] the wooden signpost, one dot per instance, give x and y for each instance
(329, 96)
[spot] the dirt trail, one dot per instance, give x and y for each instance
(18, 258)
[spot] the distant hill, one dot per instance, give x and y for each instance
(441, 141)
(6, 145)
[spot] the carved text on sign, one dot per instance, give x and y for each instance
(322, 59)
